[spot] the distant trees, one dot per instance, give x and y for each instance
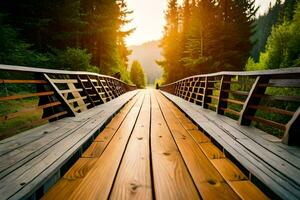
(51, 27)
(277, 14)
(282, 47)
(206, 36)
(137, 75)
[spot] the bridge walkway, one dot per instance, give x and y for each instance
(151, 150)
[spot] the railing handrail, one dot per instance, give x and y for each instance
(60, 94)
(213, 91)
(54, 71)
(281, 71)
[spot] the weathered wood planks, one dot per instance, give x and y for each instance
(133, 180)
(208, 180)
(37, 157)
(171, 177)
(98, 181)
(249, 147)
(151, 150)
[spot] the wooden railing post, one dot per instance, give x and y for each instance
(292, 136)
(94, 89)
(258, 89)
(60, 96)
(85, 91)
(43, 100)
(206, 92)
(224, 88)
(104, 89)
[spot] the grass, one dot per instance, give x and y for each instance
(20, 123)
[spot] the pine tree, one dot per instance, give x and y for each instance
(123, 20)
(137, 75)
(263, 27)
(171, 43)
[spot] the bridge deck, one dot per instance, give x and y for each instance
(151, 150)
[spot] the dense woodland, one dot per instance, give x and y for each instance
(278, 46)
(199, 37)
(69, 34)
(217, 35)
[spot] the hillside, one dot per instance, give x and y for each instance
(146, 54)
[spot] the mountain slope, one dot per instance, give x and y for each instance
(147, 54)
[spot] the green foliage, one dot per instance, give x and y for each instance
(137, 75)
(278, 14)
(283, 46)
(263, 28)
(206, 36)
(17, 52)
(74, 59)
(51, 26)
(282, 50)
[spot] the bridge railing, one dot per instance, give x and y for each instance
(49, 95)
(267, 99)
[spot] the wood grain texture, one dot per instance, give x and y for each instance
(71, 180)
(211, 151)
(93, 186)
(225, 167)
(133, 179)
(36, 163)
(102, 140)
(247, 190)
(225, 131)
(171, 177)
(207, 179)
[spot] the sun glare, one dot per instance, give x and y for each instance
(148, 19)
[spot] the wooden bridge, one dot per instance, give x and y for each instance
(198, 138)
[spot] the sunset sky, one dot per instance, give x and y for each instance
(148, 19)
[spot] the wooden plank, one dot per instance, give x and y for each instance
(133, 179)
(234, 101)
(89, 96)
(224, 87)
(70, 181)
(280, 184)
(97, 147)
(243, 93)
(64, 81)
(170, 175)
(253, 100)
(273, 110)
(292, 83)
(278, 98)
(23, 81)
(209, 182)
(105, 91)
(70, 101)
(59, 96)
(95, 91)
(211, 151)
(22, 96)
(65, 187)
(70, 91)
(229, 171)
(286, 72)
(291, 136)
(77, 96)
(27, 110)
(93, 185)
(247, 190)
(231, 111)
(34, 172)
(266, 122)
